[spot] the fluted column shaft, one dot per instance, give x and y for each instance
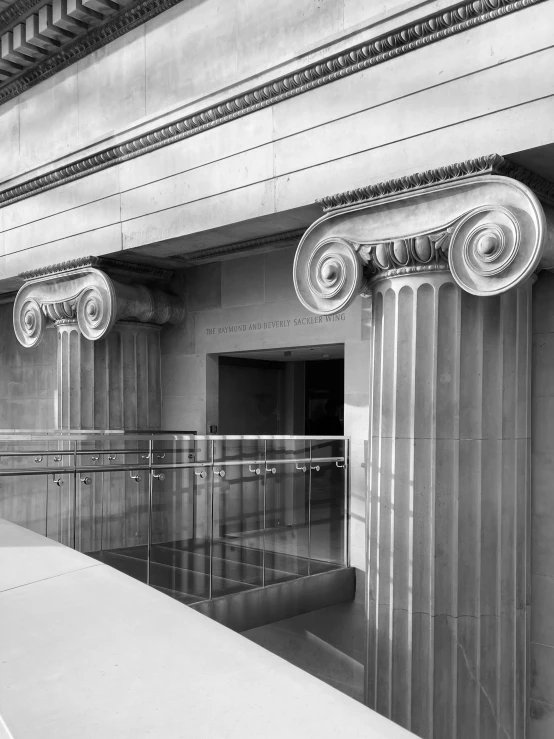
(112, 383)
(448, 508)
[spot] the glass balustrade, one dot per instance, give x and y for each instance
(196, 517)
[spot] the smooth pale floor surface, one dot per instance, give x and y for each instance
(89, 652)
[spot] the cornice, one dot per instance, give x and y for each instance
(382, 48)
(190, 260)
(110, 30)
(17, 10)
(110, 266)
(486, 165)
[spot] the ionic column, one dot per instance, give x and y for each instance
(449, 269)
(112, 383)
(108, 334)
(108, 340)
(447, 507)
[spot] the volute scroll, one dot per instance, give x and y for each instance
(329, 276)
(91, 299)
(490, 233)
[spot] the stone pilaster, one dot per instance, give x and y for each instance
(448, 259)
(108, 339)
(108, 378)
(113, 383)
(448, 487)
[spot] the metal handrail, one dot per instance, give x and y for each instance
(156, 436)
(72, 460)
(15, 471)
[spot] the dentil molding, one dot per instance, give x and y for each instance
(403, 40)
(490, 231)
(89, 297)
(37, 45)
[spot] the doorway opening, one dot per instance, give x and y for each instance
(297, 391)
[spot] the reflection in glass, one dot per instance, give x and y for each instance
(195, 517)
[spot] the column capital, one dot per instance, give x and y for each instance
(486, 220)
(81, 292)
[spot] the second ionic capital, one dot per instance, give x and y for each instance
(488, 229)
(90, 297)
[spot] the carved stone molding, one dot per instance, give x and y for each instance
(110, 266)
(490, 232)
(90, 298)
(486, 165)
(58, 34)
(376, 51)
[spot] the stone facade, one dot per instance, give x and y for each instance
(174, 214)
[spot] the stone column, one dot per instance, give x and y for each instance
(108, 341)
(449, 269)
(108, 362)
(113, 383)
(448, 507)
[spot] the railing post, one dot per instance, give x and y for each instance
(150, 509)
(310, 512)
(264, 512)
(210, 527)
(46, 508)
(346, 505)
(102, 495)
(74, 458)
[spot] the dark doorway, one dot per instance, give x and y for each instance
(250, 396)
(324, 411)
(283, 392)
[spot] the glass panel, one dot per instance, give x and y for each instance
(238, 516)
(180, 552)
(115, 450)
(180, 450)
(327, 449)
(60, 523)
(228, 513)
(327, 515)
(237, 449)
(288, 449)
(24, 500)
(34, 500)
(112, 519)
(287, 511)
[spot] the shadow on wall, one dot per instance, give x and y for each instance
(327, 643)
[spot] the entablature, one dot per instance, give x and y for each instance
(22, 69)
